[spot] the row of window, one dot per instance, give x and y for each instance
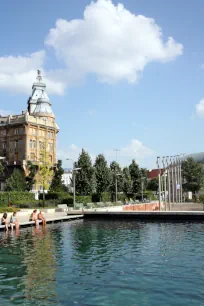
(18, 131)
(33, 131)
(33, 144)
(42, 133)
(33, 157)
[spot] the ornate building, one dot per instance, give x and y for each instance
(27, 136)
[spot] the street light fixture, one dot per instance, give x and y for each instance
(73, 174)
(142, 185)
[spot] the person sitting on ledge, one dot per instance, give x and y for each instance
(14, 221)
(41, 217)
(34, 218)
(4, 221)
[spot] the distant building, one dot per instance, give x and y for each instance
(26, 137)
(154, 173)
(67, 178)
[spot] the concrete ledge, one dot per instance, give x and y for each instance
(52, 220)
(144, 215)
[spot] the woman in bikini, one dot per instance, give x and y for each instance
(5, 221)
(34, 217)
(14, 221)
(41, 217)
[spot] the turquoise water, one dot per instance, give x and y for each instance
(91, 263)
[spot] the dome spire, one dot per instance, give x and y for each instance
(39, 77)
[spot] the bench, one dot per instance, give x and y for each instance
(61, 208)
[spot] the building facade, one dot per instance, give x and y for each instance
(32, 134)
(67, 177)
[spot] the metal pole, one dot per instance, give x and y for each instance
(179, 184)
(159, 175)
(142, 187)
(181, 181)
(175, 172)
(74, 186)
(164, 174)
(162, 185)
(116, 181)
(172, 178)
(116, 189)
(169, 181)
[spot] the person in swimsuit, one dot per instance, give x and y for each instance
(14, 221)
(4, 221)
(34, 217)
(41, 217)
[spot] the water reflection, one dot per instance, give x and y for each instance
(103, 263)
(39, 280)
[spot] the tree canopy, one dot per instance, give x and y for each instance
(135, 176)
(102, 175)
(84, 178)
(153, 185)
(57, 184)
(16, 181)
(193, 175)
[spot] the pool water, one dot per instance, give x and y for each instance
(104, 263)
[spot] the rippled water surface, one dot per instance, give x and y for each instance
(104, 263)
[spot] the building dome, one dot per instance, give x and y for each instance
(39, 103)
(43, 108)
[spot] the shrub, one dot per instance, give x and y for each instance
(14, 197)
(201, 198)
(8, 209)
(83, 199)
(106, 197)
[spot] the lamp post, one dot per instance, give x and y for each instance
(168, 181)
(172, 177)
(142, 185)
(159, 175)
(178, 178)
(181, 179)
(73, 175)
(164, 175)
(116, 180)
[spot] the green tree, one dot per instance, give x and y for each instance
(143, 179)
(153, 185)
(102, 175)
(16, 182)
(193, 175)
(30, 178)
(45, 172)
(127, 182)
(57, 184)
(84, 178)
(115, 173)
(135, 176)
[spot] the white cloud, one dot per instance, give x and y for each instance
(73, 153)
(111, 43)
(18, 73)
(200, 108)
(134, 150)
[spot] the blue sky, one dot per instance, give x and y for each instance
(114, 81)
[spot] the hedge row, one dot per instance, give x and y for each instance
(15, 197)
